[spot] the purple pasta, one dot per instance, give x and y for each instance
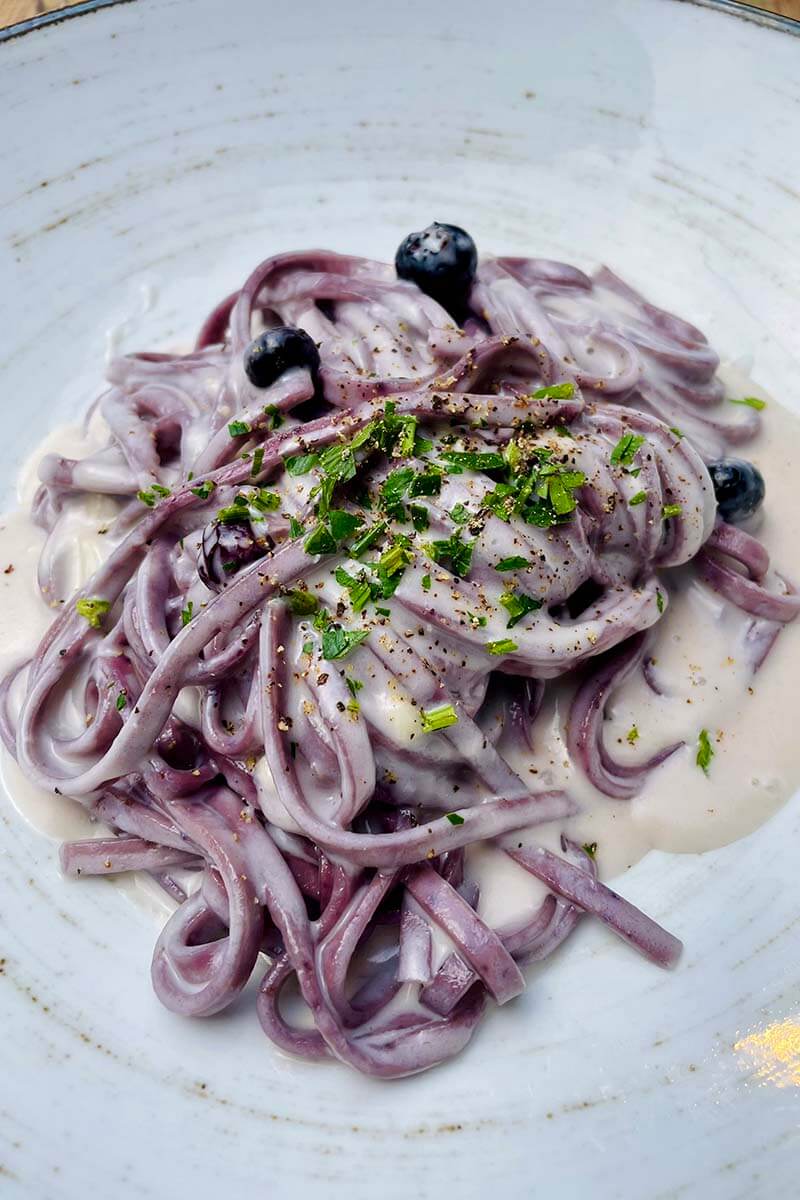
(363, 577)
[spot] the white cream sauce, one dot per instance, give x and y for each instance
(751, 720)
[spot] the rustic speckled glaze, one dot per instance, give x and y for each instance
(152, 153)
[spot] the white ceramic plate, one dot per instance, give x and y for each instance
(152, 152)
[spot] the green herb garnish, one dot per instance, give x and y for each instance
(93, 609)
(455, 551)
(301, 464)
(514, 563)
(419, 517)
(186, 613)
(750, 401)
(204, 490)
(632, 736)
(468, 460)
(441, 717)
(343, 524)
(358, 590)
(455, 818)
(367, 539)
(258, 461)
(626, 448)
(238, 428)
(589, 848)
(504, 646)
(705, 751)
(301, 602)
(337, 642)
(555, 391)
(639, 498)
(427, 483)
(275, 416)
(264, 500)
(426, 583)
(671, 510)
(320, 541)
(518, 605)
(122, 700)
(659, 601)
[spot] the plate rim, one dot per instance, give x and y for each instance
(734, 8)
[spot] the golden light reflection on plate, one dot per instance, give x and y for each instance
(773, 1053)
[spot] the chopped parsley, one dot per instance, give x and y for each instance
(258, 461)
(275, 417)
(705, 751)
(475, 460)
(455, 818)
(154, 493)
(93, 609)
(504, 646)
(639, 498)
(301, 464)
(301, 601)
(626, 449)
(460, 514)
(677, 432)
(426, 483)
(393, 489)
(426, 583)
(204, 490)
(358, 590)
(632, 736)
(750, 401)
(367, 539)
(518, 605)
(659, 601)
(343, 524)
(264, 500)
(671, 510)
(419, 517)
(354, 685)
(320, 541)
(514, 563)
(122, 700)
(455, 551)
(589, 848)
(295, 527)
(555, 391)
(186, 613)
(441, 717)
(337, 642)
(238, 428)
(308, 647)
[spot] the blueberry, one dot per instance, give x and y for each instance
(738, 486)
(275, 351)
(441, 261)
(226, 547)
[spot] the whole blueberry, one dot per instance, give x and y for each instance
(441, 260)
(275, 351)
(226, 547)
(738, 486)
